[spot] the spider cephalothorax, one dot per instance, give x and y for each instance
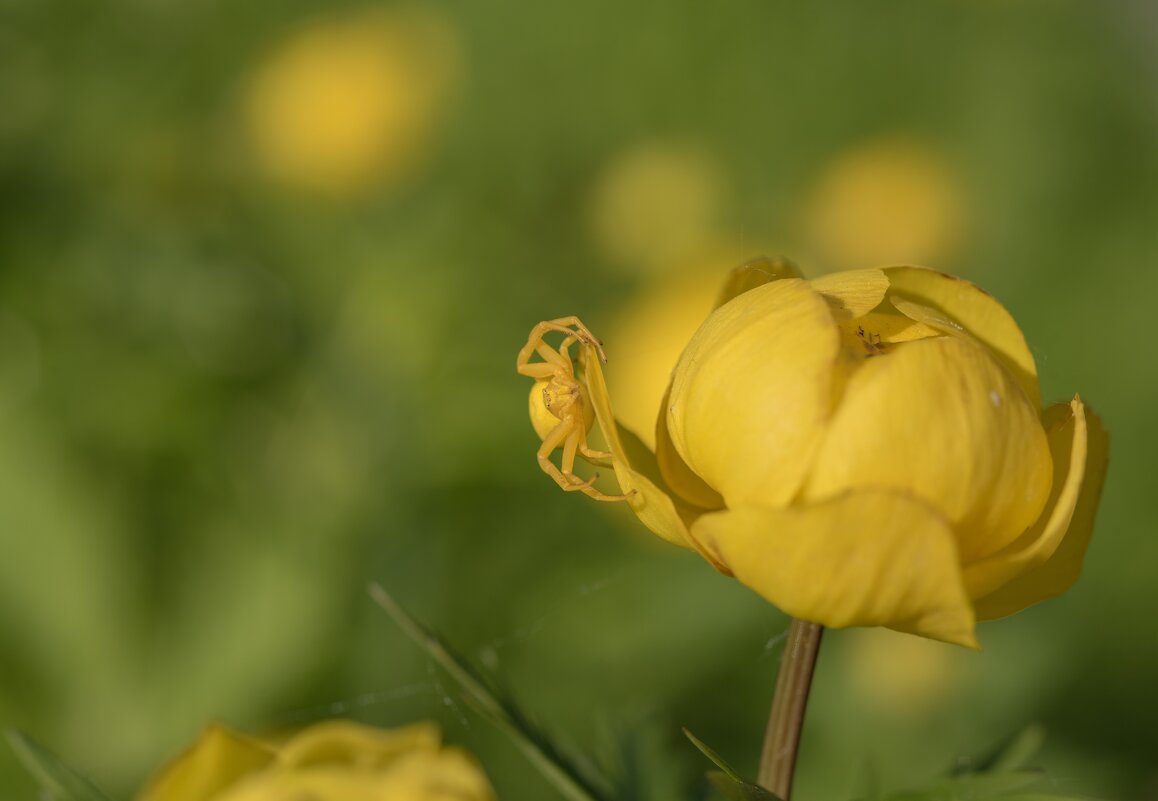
(560, 408)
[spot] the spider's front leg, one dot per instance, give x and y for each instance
(575, 331)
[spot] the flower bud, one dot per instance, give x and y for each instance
(868, 448)
(335, 760)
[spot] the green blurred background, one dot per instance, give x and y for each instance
(264, 269)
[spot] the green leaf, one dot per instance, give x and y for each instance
(716, 759)
(738, 789)
(980, 787)
(728, 781)
(576, 781)
(1011, 755)
(57, 780)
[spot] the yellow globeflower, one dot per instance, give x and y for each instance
(866, 448)
(351, 102)
(336, 760)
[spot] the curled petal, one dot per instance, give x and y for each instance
(940, 419)
(1067, 434)
(1052, 554)
(978, 312)
(753, 390)
(637, 472)
(865, 558)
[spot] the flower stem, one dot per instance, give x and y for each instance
(785, 720)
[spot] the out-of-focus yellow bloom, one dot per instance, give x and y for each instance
(905, 676)
(335, 760)
(867, 448)
(656, 203)
(352, 102)
(888, 201)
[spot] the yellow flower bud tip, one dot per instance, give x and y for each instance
(561, 412)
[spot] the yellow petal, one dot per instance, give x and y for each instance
(928, 316)
(1073, 516)
(977, 312)
(409, 776)
(753, 390)
(940, 419)
(852, 293)
(870, 334)
(448, 775)
(754, 273)
(866, 558)
(679, 477)
(1066, 432)
(220, 757)
(318, 784)
(635, 469)
(356, 744)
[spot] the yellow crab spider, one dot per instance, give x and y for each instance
(560, 409)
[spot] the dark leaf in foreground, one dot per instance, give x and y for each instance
(728, 781)
(577, 781)
(57, 780)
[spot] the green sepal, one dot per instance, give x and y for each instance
(57, 780)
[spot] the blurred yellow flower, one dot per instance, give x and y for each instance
(905, 676)
(888, 201)
(867, 448)
(352, 102)
(655, 204)
(335, 760)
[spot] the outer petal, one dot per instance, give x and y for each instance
(940, 419)
(1066, 431)
(978, 312)
(637, 472)
(219, 758)
(409, 776)
(852, 293)
(753, 390)
(347, 742)
(1071, 519)
(681, 478)
(865, 558)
